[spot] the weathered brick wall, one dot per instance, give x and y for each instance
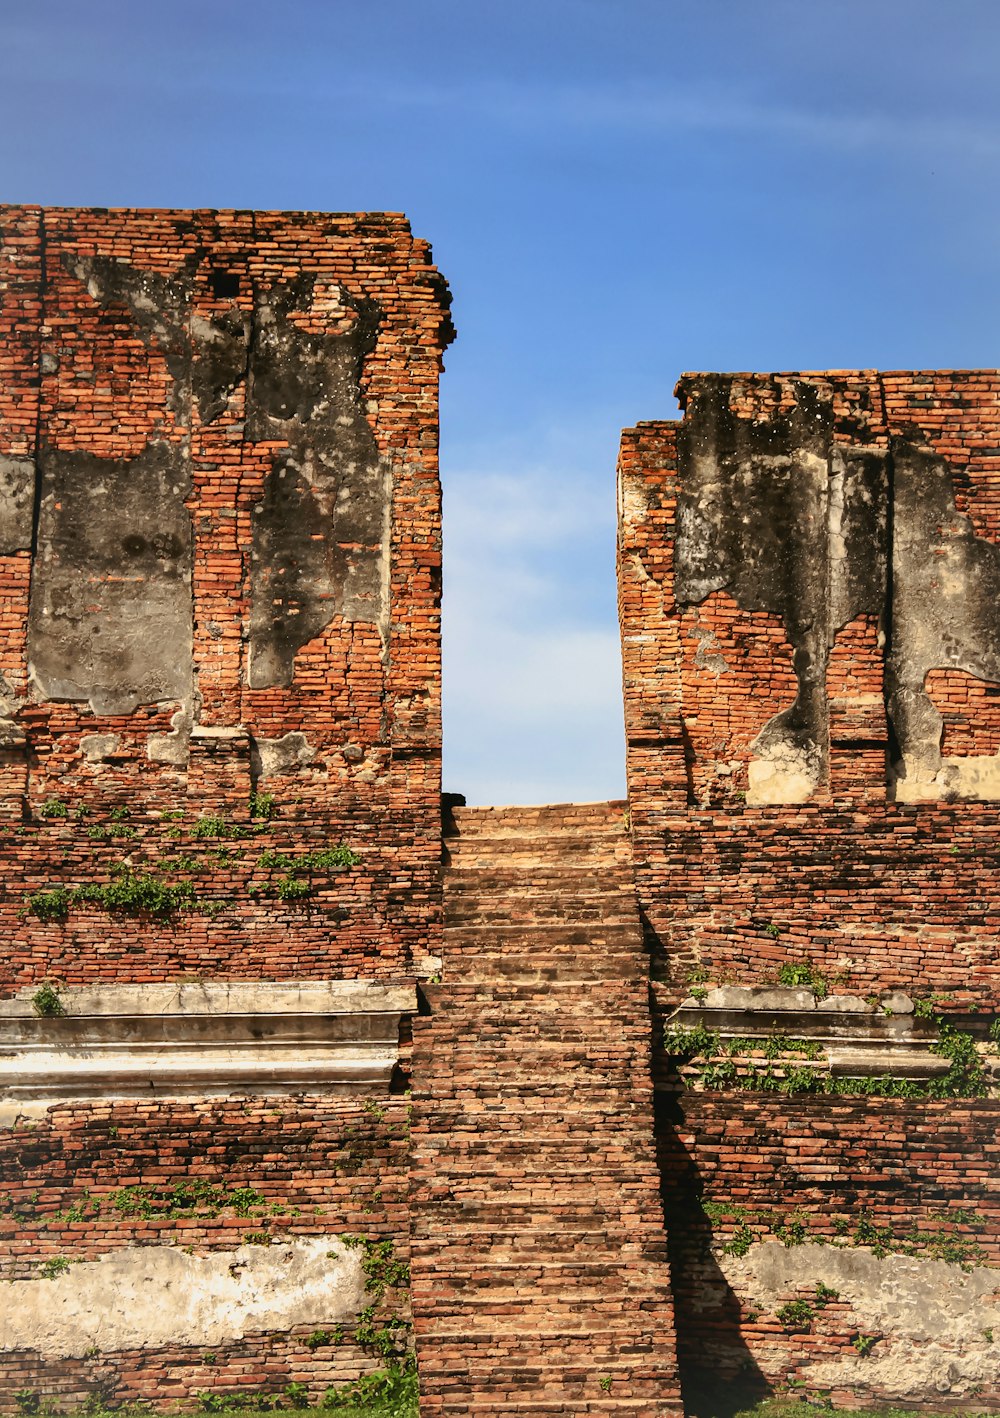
(219, 658)
(241, 1180)
(774, 1201)
(220, 572)
(761, 765)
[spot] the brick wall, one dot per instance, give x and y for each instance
(784, 502)
(770, 1198)
(219, 444)
(219, 657)
(101, 1180)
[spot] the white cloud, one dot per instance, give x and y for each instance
(532, 676)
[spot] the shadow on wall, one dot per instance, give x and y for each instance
(719, 1376)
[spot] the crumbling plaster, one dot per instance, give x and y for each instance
(818, 519)
(147, 1296)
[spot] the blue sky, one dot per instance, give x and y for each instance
(617, 191)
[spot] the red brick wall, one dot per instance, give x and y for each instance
(732, 1161)
(84, 376)
(882, 894)
(322, 1168)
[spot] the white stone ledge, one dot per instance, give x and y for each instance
(194, 1040)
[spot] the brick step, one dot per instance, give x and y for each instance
(485, 966)
(450, 1027)
(538, 1078)
(532, 1197)
(549, 935)
(626, 1216)
(597, 855)
(549, 1408)
(466, 1115)
(453, 1128)
(434, 1142)
(474, 1249)
(519, 909)
(443, 1094)
(611, 995)
(570, 875)
(570, 1283)
(549, 819)
(485, 1406)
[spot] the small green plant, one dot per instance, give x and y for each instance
(262, 806)
(321, 1337)
(172, 814)
(825, 1296)
(53, 807)
(865, 1343)
(797, 1314)
(605, 1383)
(119, 814)
(800, 974)
(258, 1238)
(27, 1400)
(208, 1358)
(292, 888)
(51, 905)
(46, 1002)
(297, 1394)
(53, 1267)
(391, 1391)
(217, 827)
(987, 1335)
(741, 1241)
(772, 930)
(794, 1232)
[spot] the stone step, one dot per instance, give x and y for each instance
(602, 908)
(573, 876)
(552, 819)
(483, 967)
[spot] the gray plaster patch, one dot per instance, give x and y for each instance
(282, 755)
(149, 1296)
(772, 511)
(110, 611)
(173, 747)
(97, 747)
(319, 530)
(17, 499)
(931, 1318)
(946, 587)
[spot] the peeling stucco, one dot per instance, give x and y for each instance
(784, 519)
(933, 1322)
(318, 530)
(148, 1296)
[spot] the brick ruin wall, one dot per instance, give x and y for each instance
(206, 690)
(219, 647)
(807, 585)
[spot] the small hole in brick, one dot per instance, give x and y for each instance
(225, 284)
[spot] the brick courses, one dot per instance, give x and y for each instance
(85, 376)
(321, 1168)
(885, 894)
(891, 1165)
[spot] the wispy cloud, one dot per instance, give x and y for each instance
(704, 107)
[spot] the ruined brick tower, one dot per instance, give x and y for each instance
(220, 582)
(604, 1108)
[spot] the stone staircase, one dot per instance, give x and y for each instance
(539, 1273)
